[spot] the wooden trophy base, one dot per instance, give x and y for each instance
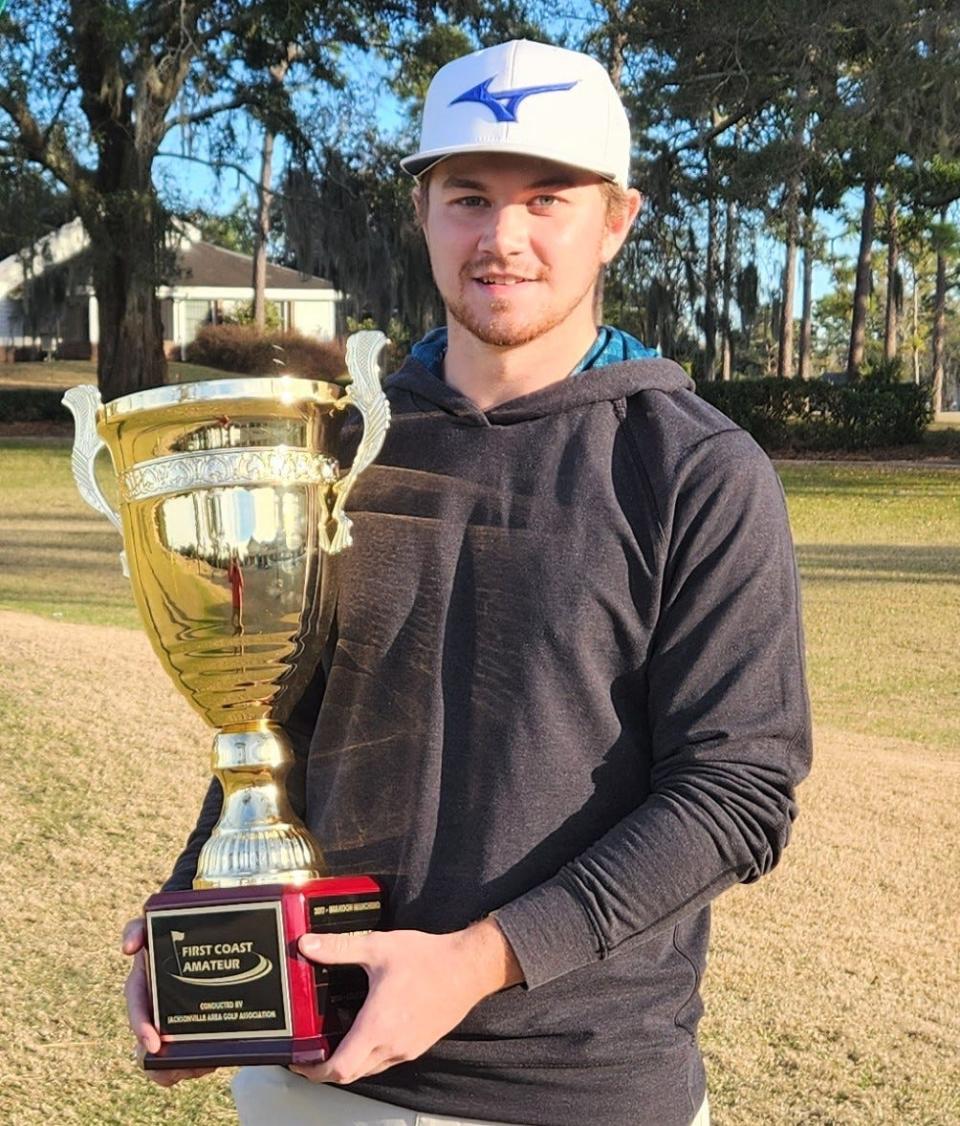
(228, 983)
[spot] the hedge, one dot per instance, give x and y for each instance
(782, 414)
(32, 404)
(796, 414)
(240, 348)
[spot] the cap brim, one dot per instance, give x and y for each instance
(420, 162)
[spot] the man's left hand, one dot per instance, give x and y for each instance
(420, 987)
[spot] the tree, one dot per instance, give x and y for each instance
(352, 221)
(31, 206)
(89, 89)
(894, 283)
(347, 214)
(721, 97)
(946, 242)
(232, 231)
(896, 116)
(862, 284)
(804, 361)
(289, 53)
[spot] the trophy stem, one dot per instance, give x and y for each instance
(258, 839)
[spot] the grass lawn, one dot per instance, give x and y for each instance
(830, 990)
(879, 553)
(59, 374)
(57, 556)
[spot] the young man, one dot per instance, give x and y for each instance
(563, 706)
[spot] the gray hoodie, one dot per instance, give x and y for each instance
(564, 686)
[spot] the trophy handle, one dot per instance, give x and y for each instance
(83, 403)
(366, 394)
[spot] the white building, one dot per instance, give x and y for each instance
(209, 282)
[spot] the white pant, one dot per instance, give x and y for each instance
(273, 1096)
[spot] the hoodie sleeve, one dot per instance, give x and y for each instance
(728, 717)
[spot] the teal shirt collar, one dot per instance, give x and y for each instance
(611, 346)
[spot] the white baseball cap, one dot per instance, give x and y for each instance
(526, 98)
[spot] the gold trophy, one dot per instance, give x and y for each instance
(230, 496)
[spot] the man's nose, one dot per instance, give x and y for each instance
(505, 231)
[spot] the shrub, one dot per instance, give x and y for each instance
(239, 348)
(795, 414)
(242, 314)
(29, 354)
(32, 404)
(881, 370)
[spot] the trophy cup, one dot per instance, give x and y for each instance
(230, 496)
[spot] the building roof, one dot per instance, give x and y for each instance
(198, 263)
(54, 248)
(202, 263)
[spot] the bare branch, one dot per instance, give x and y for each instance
(239, 102)
(701, 140)
(219, 165)
(45, 147)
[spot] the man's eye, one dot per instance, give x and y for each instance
(545, 201)
(470, 201)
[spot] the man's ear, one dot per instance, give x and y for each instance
(418, 197)
(619, 224)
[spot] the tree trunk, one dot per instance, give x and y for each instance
(785, 348)
(861, 292)
(710, 281)
(126, 230)
(939, 324)
(916, 327)
(130, 353)
(262, 234)
(806, 319)
(893, 249)
(729, 250)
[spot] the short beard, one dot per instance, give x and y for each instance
(497, 331)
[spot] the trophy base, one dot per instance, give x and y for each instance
(228, 984)
(244, 1053)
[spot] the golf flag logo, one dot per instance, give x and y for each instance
(175, 937)
(217, 963)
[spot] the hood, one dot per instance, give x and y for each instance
(602, 384)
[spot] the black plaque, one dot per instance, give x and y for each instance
(341, 990)
(219, 972)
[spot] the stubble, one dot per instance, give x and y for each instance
(498, 325)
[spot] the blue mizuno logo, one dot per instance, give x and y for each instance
(503, 103)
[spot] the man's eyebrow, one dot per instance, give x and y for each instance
(461, 182)
(560, 181)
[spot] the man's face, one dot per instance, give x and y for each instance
(516, 243)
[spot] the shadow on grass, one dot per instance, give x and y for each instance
(102, 539)
(878, 563)
(82, 600)
(871, 485)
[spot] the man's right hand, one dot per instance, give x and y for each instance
(137, 994)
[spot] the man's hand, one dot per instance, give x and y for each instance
(421, 986)
(137, 994)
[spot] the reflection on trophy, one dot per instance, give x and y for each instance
(230, 496)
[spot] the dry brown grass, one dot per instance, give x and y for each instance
(102, 766)
(832, 983)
